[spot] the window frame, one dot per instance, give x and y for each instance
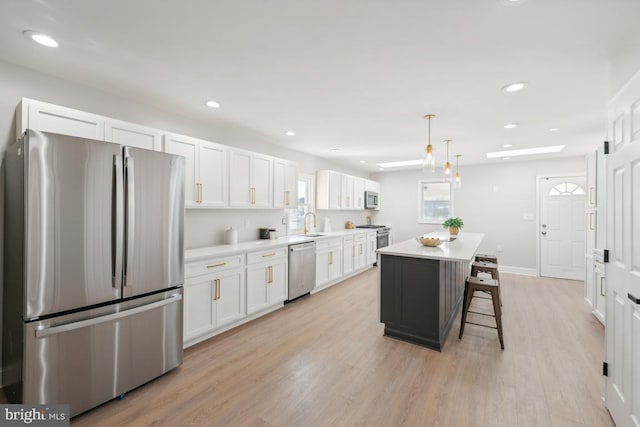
(420, 205)
(310, 183)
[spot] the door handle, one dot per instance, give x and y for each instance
(544, 233)
(117, 226)
(130, 217)
(633, 299)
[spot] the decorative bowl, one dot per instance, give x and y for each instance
(428, 241)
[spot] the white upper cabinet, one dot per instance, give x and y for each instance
(133, 135)
(336, 190)
(250, 179)
(205, 170)
(53, 118)
(285, 184)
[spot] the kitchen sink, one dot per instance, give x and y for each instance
(312, 235)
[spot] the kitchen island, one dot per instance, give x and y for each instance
(421, 288)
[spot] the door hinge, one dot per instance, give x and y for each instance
(606, 147)
(605, 369)
(606, 255)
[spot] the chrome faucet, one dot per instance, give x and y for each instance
(305, 221)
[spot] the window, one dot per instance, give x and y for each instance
(434, 202)
(306, 203)
(567, 189)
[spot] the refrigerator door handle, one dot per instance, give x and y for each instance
(44, 332)
(129, 217)
(117, 222)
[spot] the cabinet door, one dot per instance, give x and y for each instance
(199, 315)
(291, 185)
(360, 254)
(132, 135)
(348, 253)
(213, 174)
(261, 180)
(66, 121)
(188, 148)
(322, 268)
(371, 250)
(278, 285)
(335, 264)
(347, 192)
(240, 189)
(231, 298)
(335, 190)
(279, 184)
(358, 193)
(257, 292)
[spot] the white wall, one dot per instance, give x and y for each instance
(493, 200)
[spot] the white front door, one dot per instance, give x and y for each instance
(562, 233)
(622, 332)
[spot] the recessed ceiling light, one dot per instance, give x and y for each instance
(290, 133)
(511, 125)
(400, 163)
(363, 161)
(554, 130)
(380, 169)
(514, 87)
(526, 151)
(212, 104)
(40, 38)
(506, 158)
(334, 150)
(507, 146)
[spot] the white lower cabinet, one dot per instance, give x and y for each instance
(266, 279)
(372, 246)
(212, 301)
(348, 253)
(328, 261)
(360, 251)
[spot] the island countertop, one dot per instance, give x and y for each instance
(463, 248)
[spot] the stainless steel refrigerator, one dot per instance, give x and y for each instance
(93, 269)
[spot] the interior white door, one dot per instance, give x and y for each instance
(622, 332)
(562, 221)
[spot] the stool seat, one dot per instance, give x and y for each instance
(485, 267)
(490, 286)
(487, 258)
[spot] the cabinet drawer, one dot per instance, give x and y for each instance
(348, 239)
(372, 236)
(328, 244)
(213, 265)
(360, 237)
(267, 255)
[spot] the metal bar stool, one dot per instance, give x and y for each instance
(489, 268)
(486, 285)
(487, 258)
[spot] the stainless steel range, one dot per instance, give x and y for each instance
(383, 233)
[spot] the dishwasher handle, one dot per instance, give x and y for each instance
(302, 247)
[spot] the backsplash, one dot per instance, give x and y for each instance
(205, 227)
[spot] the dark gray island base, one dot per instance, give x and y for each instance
(419, 298)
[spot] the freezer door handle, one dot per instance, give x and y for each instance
(130, 218)
(44, 332)
(117, 222)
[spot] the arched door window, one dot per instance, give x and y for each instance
(567, 189)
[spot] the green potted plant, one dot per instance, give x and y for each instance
(453, 224)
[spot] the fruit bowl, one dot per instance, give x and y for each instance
(428, 241)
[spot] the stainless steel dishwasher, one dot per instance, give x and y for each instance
(302, 269)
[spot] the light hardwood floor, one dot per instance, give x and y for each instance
(324, 361)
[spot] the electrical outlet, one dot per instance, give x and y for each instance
(284, 221)
(247, 223)
(499, 248)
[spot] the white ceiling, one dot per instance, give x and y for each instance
(357, 75)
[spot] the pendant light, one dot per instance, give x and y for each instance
(458, 179)
(447, 165)
(429, 163)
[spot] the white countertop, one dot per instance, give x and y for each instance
(463, 248)
(197, 254)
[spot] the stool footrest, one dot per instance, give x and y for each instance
(480, 324)
(484, 314)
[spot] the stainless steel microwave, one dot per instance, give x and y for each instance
(371, 200)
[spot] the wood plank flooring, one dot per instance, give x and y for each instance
(323, 361)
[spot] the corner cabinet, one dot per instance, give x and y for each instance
(267, 273)
(205, 170)
(214, 295)
(250, 179)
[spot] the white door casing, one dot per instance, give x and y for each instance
(561, 233)
(622, 332)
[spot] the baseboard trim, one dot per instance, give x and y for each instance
(518, 270)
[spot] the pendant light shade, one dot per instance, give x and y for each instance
(457, 182)
(429, 163)
(447, 166)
